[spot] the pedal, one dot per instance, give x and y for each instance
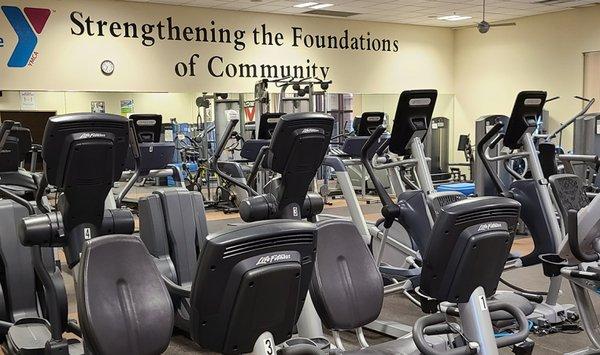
(524, 348)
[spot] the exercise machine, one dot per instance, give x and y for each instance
(13, 176)
(155, 156)
(472, 233)
(538, 211)
(179, 243)
(84, 155)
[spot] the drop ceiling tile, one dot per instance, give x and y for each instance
(422, 12)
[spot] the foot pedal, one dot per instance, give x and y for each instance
(28, 336)
(524, 348)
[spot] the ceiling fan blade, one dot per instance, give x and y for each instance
(503, 24)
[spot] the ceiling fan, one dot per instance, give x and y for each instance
(485, 26)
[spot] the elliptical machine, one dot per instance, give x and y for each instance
(22, 295)
(470, 234)
(84, 155)
(256, 264)
(534, 194)
(13, 177)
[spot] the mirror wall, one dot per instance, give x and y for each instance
(182, 106)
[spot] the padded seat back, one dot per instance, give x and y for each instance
(173, 226)
(569, 193)
(123, 305)
(346, 288)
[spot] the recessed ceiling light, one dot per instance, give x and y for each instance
(454, 18)
(306, 4)
(321, 6)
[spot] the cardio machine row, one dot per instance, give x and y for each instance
(242, 290)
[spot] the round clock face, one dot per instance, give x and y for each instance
(107, 67)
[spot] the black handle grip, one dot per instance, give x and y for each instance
(224, 138)
(385, 198)
(574, 240)
(530, 297)
(584, 275)
(133, 142)
(486, 164)
(522, 322)
(419, 336)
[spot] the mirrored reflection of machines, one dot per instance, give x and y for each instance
(483, 183)
(155, 157)
(465, 146)
(212, 118)
(307, 95)
(295, 95)
(436, 147)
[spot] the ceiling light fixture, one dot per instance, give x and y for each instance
(454, 18)
(306, 4)
(320, 6)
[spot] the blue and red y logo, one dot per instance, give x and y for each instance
(25, 31)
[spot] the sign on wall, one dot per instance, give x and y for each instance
(60, 45)
(98, 106)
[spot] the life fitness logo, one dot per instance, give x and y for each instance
(26, 24)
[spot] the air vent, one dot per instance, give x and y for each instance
(331, 13)
(475, 216)
(97, 126)
(241, 248)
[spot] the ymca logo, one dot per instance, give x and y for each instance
(27, 39)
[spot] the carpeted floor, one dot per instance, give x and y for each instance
(397, 307)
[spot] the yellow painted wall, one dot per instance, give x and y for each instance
(479, 74)
(70, 62)
(541, 53)
(170, 105)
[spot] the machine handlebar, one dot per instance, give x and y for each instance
(421, 325)
(383, 147)
(214, 160)
(486, 164)
(385, 198)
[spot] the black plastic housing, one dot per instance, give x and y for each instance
(268, 122)
(368, 123)
(470, 244)
(528, 108)
(413, 115)
(84, 155)
(251, 279)
(147, 127)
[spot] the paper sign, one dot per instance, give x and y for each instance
(27, 100)
(126, 106)
(98, 106)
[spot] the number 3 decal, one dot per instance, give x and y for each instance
(269, 346)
